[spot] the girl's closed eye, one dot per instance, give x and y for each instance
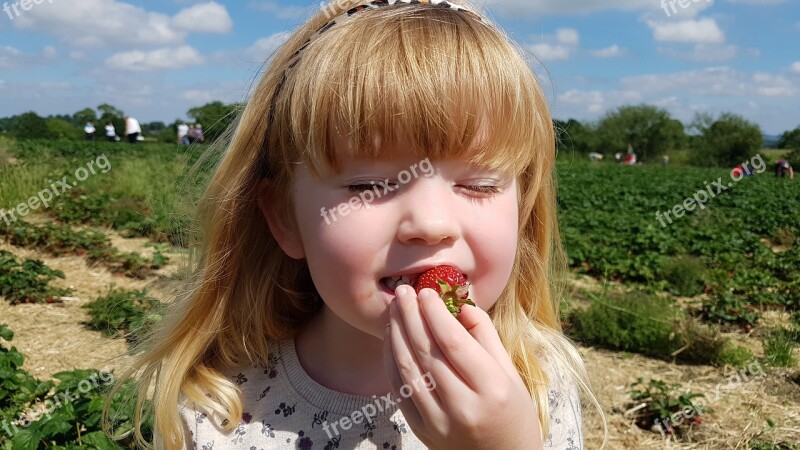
(358, 188)
(482, 189)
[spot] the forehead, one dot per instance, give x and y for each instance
(377, 146)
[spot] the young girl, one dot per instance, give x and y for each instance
(386, 138)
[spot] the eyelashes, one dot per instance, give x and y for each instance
(359, 188)
(481, 189)
(476, 189)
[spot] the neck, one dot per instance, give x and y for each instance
(341, 357)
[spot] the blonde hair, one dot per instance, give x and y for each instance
(453, 86)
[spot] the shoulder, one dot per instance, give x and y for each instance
(564, 406)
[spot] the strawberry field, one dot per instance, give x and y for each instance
(689, 326)
(738, 250)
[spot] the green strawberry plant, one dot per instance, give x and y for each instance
(38, 414)
(60, 240)
(124, 313)
(659, 404)
(28, 281)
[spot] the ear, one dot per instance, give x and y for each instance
(288, 240)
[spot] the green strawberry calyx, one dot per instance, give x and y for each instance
(454, 296)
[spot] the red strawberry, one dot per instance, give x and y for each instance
(449, 283)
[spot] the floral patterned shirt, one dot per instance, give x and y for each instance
(285, 409)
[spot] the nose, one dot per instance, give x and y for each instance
(429, 214)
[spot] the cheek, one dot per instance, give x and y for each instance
(340, 254)
(495, 248)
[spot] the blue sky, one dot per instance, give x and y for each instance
(156, 59)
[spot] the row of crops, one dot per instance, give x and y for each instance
(740, 249)
(736, 258)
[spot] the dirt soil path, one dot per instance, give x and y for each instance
(52, 336)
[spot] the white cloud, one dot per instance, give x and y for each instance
(115, 24)
(568, 36)
(557, 47)
(8, 56)
(198, 96)
(706, 53)
(773, 85)
(160, 59)
(549, 52)
(715, 89)
(593, 101)
(703, 31)
(758, 2)
(101, 23)
(667, 103)
(796, 67)
(282, 10)
(683, 9)
(265, 47)
(204, 18)
(712, 82)
(608, 52)
(13, 58)
(537, 8)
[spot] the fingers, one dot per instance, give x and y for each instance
(410, 411)
(471, 343)
(480, 326)
(411, 373)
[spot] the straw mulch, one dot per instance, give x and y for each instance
(52, 336)
(53, 339)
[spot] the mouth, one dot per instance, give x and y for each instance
(390, 284)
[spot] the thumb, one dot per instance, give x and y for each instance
(479, 325)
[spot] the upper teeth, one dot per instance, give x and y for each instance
(393, 282)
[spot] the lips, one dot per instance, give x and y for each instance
(392, 282)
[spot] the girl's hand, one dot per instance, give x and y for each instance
(478, 400)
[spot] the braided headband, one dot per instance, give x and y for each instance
(374, 4)
(346, 17)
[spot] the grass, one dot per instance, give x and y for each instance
(23, 181)
(757, 444)
(124, 313)
(779, 348)
(145, 192)
(653, 326)
(685, 275)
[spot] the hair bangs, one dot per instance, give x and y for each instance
(439, 81)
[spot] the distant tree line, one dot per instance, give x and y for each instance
(725, 141)
(215, 118)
